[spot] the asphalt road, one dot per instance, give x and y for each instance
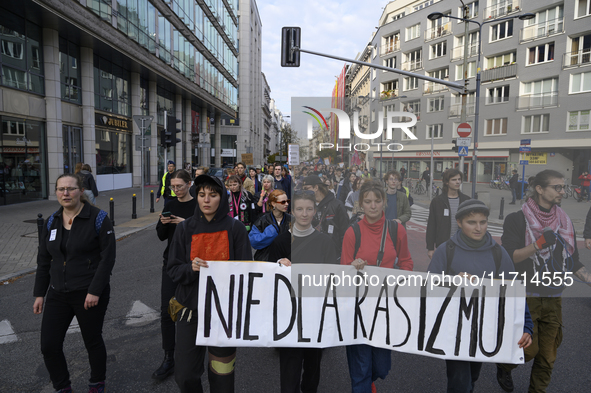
(134, 347)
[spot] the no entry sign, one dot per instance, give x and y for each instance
(464, 130)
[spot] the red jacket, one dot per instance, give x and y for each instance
(371, 236)
(585, 180)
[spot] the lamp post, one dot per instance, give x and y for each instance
(438, 15)
(382, 140)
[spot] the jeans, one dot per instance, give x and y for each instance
(514, 194)
(90, 196)
(292, 360)
(461, 375)
(366, 364)
(167, 291)
(60, 308)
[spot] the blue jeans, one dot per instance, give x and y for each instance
(514, 194)
(461, 375)
(366, 364)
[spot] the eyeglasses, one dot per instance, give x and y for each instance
(557, 187)
(177, 187)
(283, 202)
(61, 190)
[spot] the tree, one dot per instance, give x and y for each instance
(332, 153)
(288, 136)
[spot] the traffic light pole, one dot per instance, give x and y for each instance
(464, 114)
(165, 147)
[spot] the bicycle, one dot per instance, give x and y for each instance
(568, 191)
(420, 188)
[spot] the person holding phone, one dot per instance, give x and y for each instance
(174, 212)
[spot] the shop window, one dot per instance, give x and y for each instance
(113, 152)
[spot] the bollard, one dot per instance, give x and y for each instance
(112, 209)
(502, 208)
(152, 201)
(133, 212)
(475, 195)
(40, 223)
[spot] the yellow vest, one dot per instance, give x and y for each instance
(172, 194)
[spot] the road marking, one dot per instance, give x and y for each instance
(141, 314)
(74, 326)
(7, 334)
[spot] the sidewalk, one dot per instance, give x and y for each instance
(18, 227)
(577, 211)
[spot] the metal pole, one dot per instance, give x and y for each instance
(501, 213)
(431, 170)
(151, 201)
(464, 115)
(165, 149)
(133, 207)
(112, 211)
(40, 223)
(142, 162)
(522, 184)
(476, 114)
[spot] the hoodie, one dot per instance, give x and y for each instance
(476, 262)
(221, 239)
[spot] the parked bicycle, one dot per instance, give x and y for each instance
(420, 188)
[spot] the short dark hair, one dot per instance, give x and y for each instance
(374, 186)
(542, 179)
(447, 175)
(240, 163)
(392, 173)
(211, 186)
(302, 195)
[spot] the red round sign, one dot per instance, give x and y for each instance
(464, 130)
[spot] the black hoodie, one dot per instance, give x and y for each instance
(221, 239)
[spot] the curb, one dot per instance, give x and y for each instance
(119, 236)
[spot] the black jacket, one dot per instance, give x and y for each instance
(90, 256)
(258, 235)
(514, 181)
(439, 225)
(221, 239)
(587, 230)
(166, 231)
(88, 182)
(331, 218)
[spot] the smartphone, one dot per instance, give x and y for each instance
(166, 214)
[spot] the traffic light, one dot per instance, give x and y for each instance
(290, 38)
(168, 135)
(455, 145)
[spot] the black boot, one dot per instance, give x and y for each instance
(166, 368)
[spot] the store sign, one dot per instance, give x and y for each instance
(113, 122)
(427, 153)
(22, 150)
(228, 153)
(535, 158)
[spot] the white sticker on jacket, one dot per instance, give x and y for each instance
(330, 229)
(446, 212)
(52, 235)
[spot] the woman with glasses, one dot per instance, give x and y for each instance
(271, 224)
(305, 245)
(242, 206)
(174, 212)
(74, 263)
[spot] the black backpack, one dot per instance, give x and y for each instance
(451, 248)
(392, 230)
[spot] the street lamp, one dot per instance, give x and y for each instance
(438, 15)
(382, 140)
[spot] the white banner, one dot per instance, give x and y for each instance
(251, 305)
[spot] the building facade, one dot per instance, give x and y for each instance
(536, 84)
(75, 72)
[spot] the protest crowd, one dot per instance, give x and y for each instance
(302, 214)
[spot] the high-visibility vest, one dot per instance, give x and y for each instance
(172, 194)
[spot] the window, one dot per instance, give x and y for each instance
(374, 73)
(536, 123)
(413, 107)
(540, 93)
(373, 93)
(391, 62)
(547, 22)
(540, 53)
(69, 56)
(471, 70)
(496, 127)
(500, 60)
(501, 30)
(472, 11)
(458, 50)
(583, 8)
(438, 50)
(374, 51)
(580, 82)
(432, 87)
(580, 51)
(111, 87)
(373, 115)
(411, 83)
(497, 95)
(390, 44)
(435, 104)
(389, 90)
(113, 152)
(413, 60)
(413, 32)
(436, 130)
(455, 109)
(579, 120)
(405, 137)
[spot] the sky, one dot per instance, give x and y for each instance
(341, 28)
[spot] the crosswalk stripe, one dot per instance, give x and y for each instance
(7, 334)
(141, 314)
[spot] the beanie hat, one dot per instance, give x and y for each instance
(470, 206)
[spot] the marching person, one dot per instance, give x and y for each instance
(88, 183)
(398, 207)
(271, 224)
(305, 245)
(474, 253)
(443, 207)
(513, 184)
(262, 197)
(74, 264)
(426, 176)
(242, 206)
(226, 240)
(331, 217)
(174, 212)
(541, 240)
(585, 179)
(246, 181)
(252, 173)
(164, 186)
(366, 363)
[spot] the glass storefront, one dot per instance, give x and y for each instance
(23, 164)
(113, 152)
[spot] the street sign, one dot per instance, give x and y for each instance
(204, 137)
(524, 149)
(462, 151)
(147, 120)
(523, 162)
(138, 143)
(464, 130)
(293, 153)
(525, 142)
(464, 142)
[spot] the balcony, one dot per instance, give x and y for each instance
(499, 73)
(438, 31)
(501, 9)
(457, 53)
(577, 58)
(542, 30)
(388, 94)
(412, 65)
(390, 47)
(432, 87)
(455, 110)
(538, 101)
